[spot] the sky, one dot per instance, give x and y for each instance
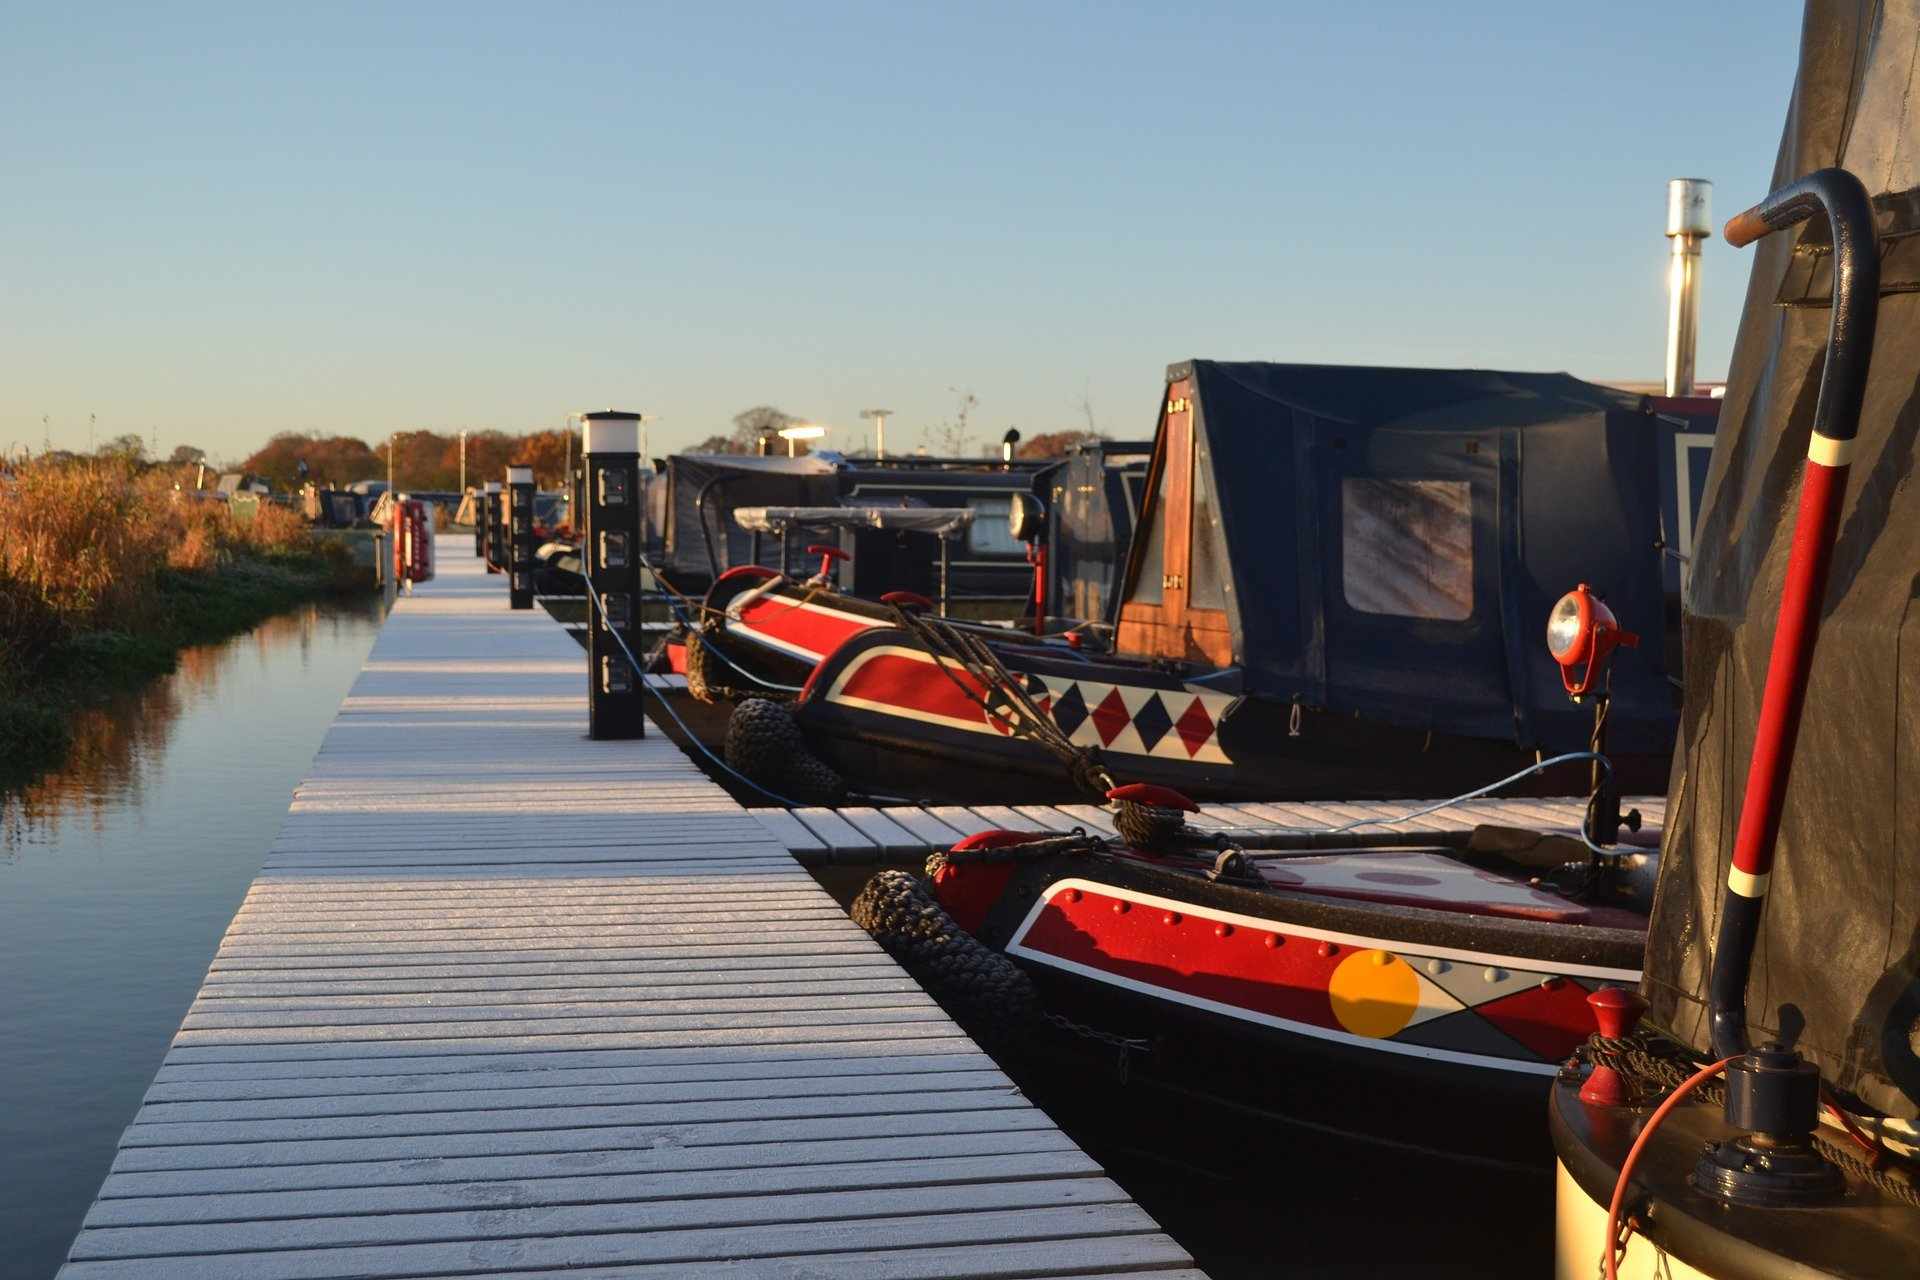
(223, 222)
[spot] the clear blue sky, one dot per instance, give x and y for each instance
(225, 222)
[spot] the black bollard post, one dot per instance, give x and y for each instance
(610, 557)
(476, 506)
(520, 536)
(490, 549)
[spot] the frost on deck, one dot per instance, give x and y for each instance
(507, 1001)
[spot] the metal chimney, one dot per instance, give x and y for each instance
(1689, 214)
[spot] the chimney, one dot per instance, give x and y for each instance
(1689, 202)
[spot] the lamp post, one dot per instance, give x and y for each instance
(463, 460)
(879, 419)
(801, 431)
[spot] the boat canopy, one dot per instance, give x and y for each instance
(1836, 970)
(1388, 542)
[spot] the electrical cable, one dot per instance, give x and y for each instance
(639, 673)
(1616, 1244)
(1570, 757)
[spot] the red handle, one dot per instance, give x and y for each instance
(830, 553)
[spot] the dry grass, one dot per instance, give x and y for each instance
(82, 543)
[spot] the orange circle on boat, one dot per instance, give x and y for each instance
(1374, 993)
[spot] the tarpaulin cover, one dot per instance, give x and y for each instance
(1839, 949)
(1396, 538)
(703, 489)
(943, 521)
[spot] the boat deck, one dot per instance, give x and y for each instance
(505, 1001)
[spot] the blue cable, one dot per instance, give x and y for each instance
(639, 673)
(1586, 836)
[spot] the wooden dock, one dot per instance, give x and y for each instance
(860, 836)
(505, 1001)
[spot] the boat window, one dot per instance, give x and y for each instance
(989, 535)
(1207, 567)
(1146, 587)
(1407, 547)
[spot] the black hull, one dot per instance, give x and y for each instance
(888, 755)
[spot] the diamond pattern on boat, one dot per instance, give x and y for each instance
(1171, 724)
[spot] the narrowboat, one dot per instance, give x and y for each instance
(1760, 1119)
(1334, 589)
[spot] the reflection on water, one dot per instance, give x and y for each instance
(118, 875)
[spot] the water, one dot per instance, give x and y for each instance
(118, 876)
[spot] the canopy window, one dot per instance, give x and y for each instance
(1407, 547)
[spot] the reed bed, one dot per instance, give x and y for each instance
(107, 569)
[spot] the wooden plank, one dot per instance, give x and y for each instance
(839, 835)
(890, 839)
(960, 819)
(793, 835)
(937, 834)
(504, 999)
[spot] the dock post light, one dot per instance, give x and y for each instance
(1007, 442)
(801, 431)
(488, 517)
(520, 536)
(878, 417)
(610, 557)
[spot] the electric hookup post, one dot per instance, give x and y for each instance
(477, 503)
(490, 525)
(520, 536)
(610, 551)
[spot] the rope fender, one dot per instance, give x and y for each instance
(765, 744)
(972, 979)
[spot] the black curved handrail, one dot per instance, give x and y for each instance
(1836, 420)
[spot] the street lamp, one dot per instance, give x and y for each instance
(801, 431)
(879, 419)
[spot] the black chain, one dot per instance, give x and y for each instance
(1125, 1046)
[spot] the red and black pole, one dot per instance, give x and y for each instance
(1836, 419)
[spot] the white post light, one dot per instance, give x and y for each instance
(879, 419)
(801, 431)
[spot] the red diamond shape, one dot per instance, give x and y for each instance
(1551, 1020)
(1194, 726)
(1110, 717)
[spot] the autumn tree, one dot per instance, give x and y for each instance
(331, 460)
(1052, 444)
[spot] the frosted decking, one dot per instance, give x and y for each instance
(508, 1002)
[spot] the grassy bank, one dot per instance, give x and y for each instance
(107, 571)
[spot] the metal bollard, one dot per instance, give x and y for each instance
(610, 557)
(519, 494)
(489, 516)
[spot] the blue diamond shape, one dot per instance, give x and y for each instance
(1151, 722)
(1070, 710)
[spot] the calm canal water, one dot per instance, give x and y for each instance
(118, 876)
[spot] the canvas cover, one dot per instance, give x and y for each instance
(700, 535)
(1396, 537)
(1839, 948)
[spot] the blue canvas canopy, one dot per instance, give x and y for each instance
(1388, 542)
